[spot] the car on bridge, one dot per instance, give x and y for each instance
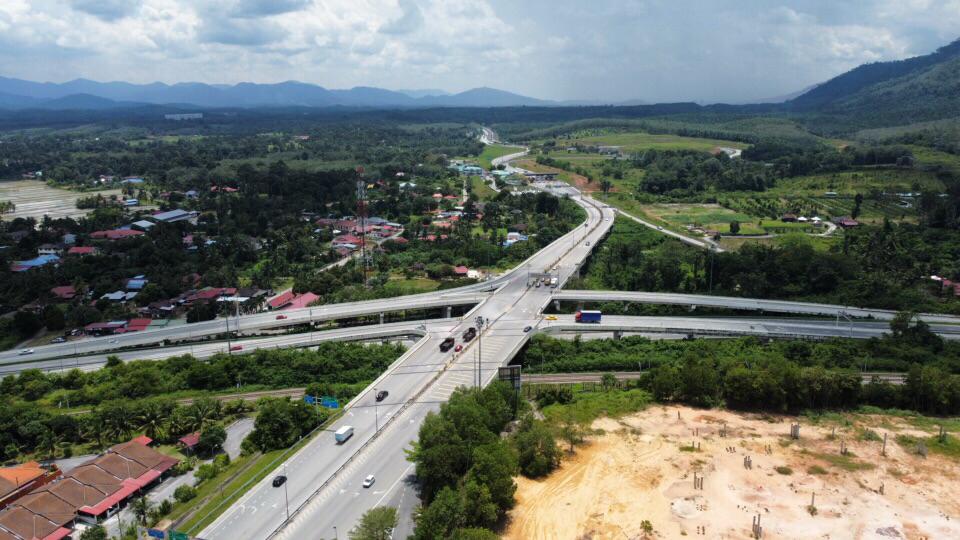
(25, 352)
(469, 334)
(281, 317)
(447, 344)
(236, 348)
(381, 395)
(458, 348)
(279, 480)
(369, 480)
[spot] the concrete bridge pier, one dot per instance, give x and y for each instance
(448, 312)
(382, 316)
(556, 305)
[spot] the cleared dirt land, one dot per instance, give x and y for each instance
(33, 198)
(640, 468)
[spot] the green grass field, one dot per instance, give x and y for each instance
(480, 190)
(493, 151)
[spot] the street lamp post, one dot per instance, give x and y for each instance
(480, 321)
(335, 535)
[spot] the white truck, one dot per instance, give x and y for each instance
(342, 434)
(554, 281)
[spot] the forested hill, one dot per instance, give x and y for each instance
(931, 94)
(867, 75)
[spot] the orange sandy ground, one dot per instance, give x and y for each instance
(633, 470)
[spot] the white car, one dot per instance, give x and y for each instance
(25, 352)
(368, 481)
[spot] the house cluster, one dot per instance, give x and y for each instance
(43, 504)
(349, 232)
(793, 218)
(245, 299)
(52, 254)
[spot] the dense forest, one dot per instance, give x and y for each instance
(126, 398)
(884, 267)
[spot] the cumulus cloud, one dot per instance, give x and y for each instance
(108, 10)
(657, 50)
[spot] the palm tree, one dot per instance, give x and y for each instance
(141, 509)
(152, 419)
(202, 411)
(91, 429)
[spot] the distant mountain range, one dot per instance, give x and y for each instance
(917, 89)
(87, 94)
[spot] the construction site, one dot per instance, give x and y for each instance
(679, 472)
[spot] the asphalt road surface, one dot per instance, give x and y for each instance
(418, 383)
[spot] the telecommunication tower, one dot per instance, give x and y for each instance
(367, 258)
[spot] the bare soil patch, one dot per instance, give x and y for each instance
(641, 467)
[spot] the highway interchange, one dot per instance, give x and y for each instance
(323, 493)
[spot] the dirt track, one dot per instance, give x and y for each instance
(636, 471)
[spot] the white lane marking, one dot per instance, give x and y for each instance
(402, 476)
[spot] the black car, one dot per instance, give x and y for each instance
(279, 480)
(527, 328)
(447, 344)
(469, 334)
(382, 395)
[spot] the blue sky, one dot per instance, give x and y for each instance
(655, 50)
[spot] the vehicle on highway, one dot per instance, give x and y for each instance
(281, 317)
(551, 317)
(538, 284)
(342, 434)
(554, 281)
(588, 243)
(469, 334)
(236, 348)
(25, 352)
(60, 339)
(458, 348)
(279, 480)
(447, 344)
(588, 316)
(381, 395)
(368, 481)
(527, 328)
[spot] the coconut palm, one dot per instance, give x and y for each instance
(152, 419)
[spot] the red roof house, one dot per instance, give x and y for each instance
(82, 250)
(302, 301)
(461, 270)
(66, 292)
(116, 234)
(281, 300)
(189, 441)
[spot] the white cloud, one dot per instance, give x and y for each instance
(563, 49)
